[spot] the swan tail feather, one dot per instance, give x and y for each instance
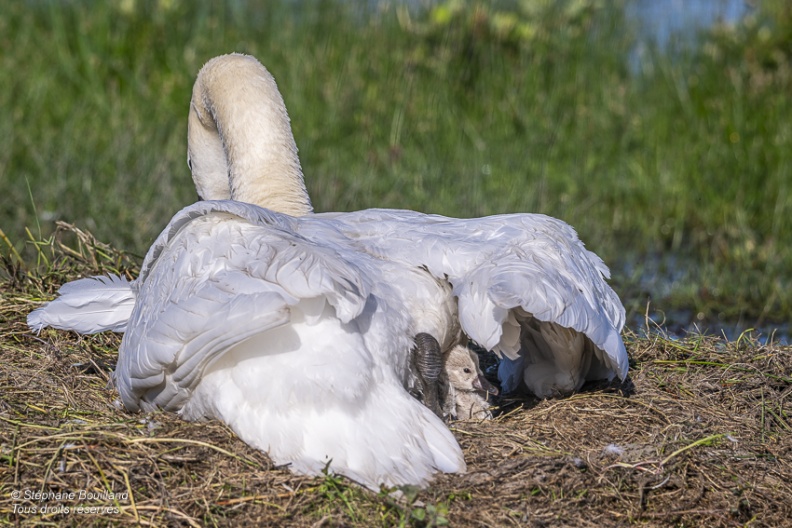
(87, 306)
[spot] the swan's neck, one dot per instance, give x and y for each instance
(240, 144)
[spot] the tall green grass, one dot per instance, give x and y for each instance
(461, 108)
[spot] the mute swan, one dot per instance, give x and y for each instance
(465, 387)
(212, 331)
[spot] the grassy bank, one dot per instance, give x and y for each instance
(462, 111)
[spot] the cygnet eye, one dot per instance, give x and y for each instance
(467, 370)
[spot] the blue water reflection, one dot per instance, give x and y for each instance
(660, 22)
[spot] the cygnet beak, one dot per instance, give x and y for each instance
(481, 383)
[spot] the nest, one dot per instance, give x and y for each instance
(699, 435)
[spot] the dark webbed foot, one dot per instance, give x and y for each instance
(428, 362)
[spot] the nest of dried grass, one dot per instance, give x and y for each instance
(698, 436)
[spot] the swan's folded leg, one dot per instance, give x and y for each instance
(428, 362)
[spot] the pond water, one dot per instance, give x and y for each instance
(680, 323)
(659, 275)
(661, 22)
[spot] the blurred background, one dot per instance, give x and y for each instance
(660, 129)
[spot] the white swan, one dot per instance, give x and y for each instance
(302, 348)
(235, 304)
(297, 346)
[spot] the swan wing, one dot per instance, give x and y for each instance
(506, 271)
(220, 273)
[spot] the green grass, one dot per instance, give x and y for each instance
(466, 109)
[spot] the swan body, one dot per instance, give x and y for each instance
(296, 328)
(518, 279)
(290, 343)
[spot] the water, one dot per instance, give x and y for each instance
(661, 22)
(659, 275)
(680, 323)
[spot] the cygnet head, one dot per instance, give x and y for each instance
(464, 374)
(239, 140)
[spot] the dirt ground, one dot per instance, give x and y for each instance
(699, 435)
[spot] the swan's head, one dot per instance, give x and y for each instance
(239, 140)
(464, 374)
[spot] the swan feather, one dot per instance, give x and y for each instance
(87, 306)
